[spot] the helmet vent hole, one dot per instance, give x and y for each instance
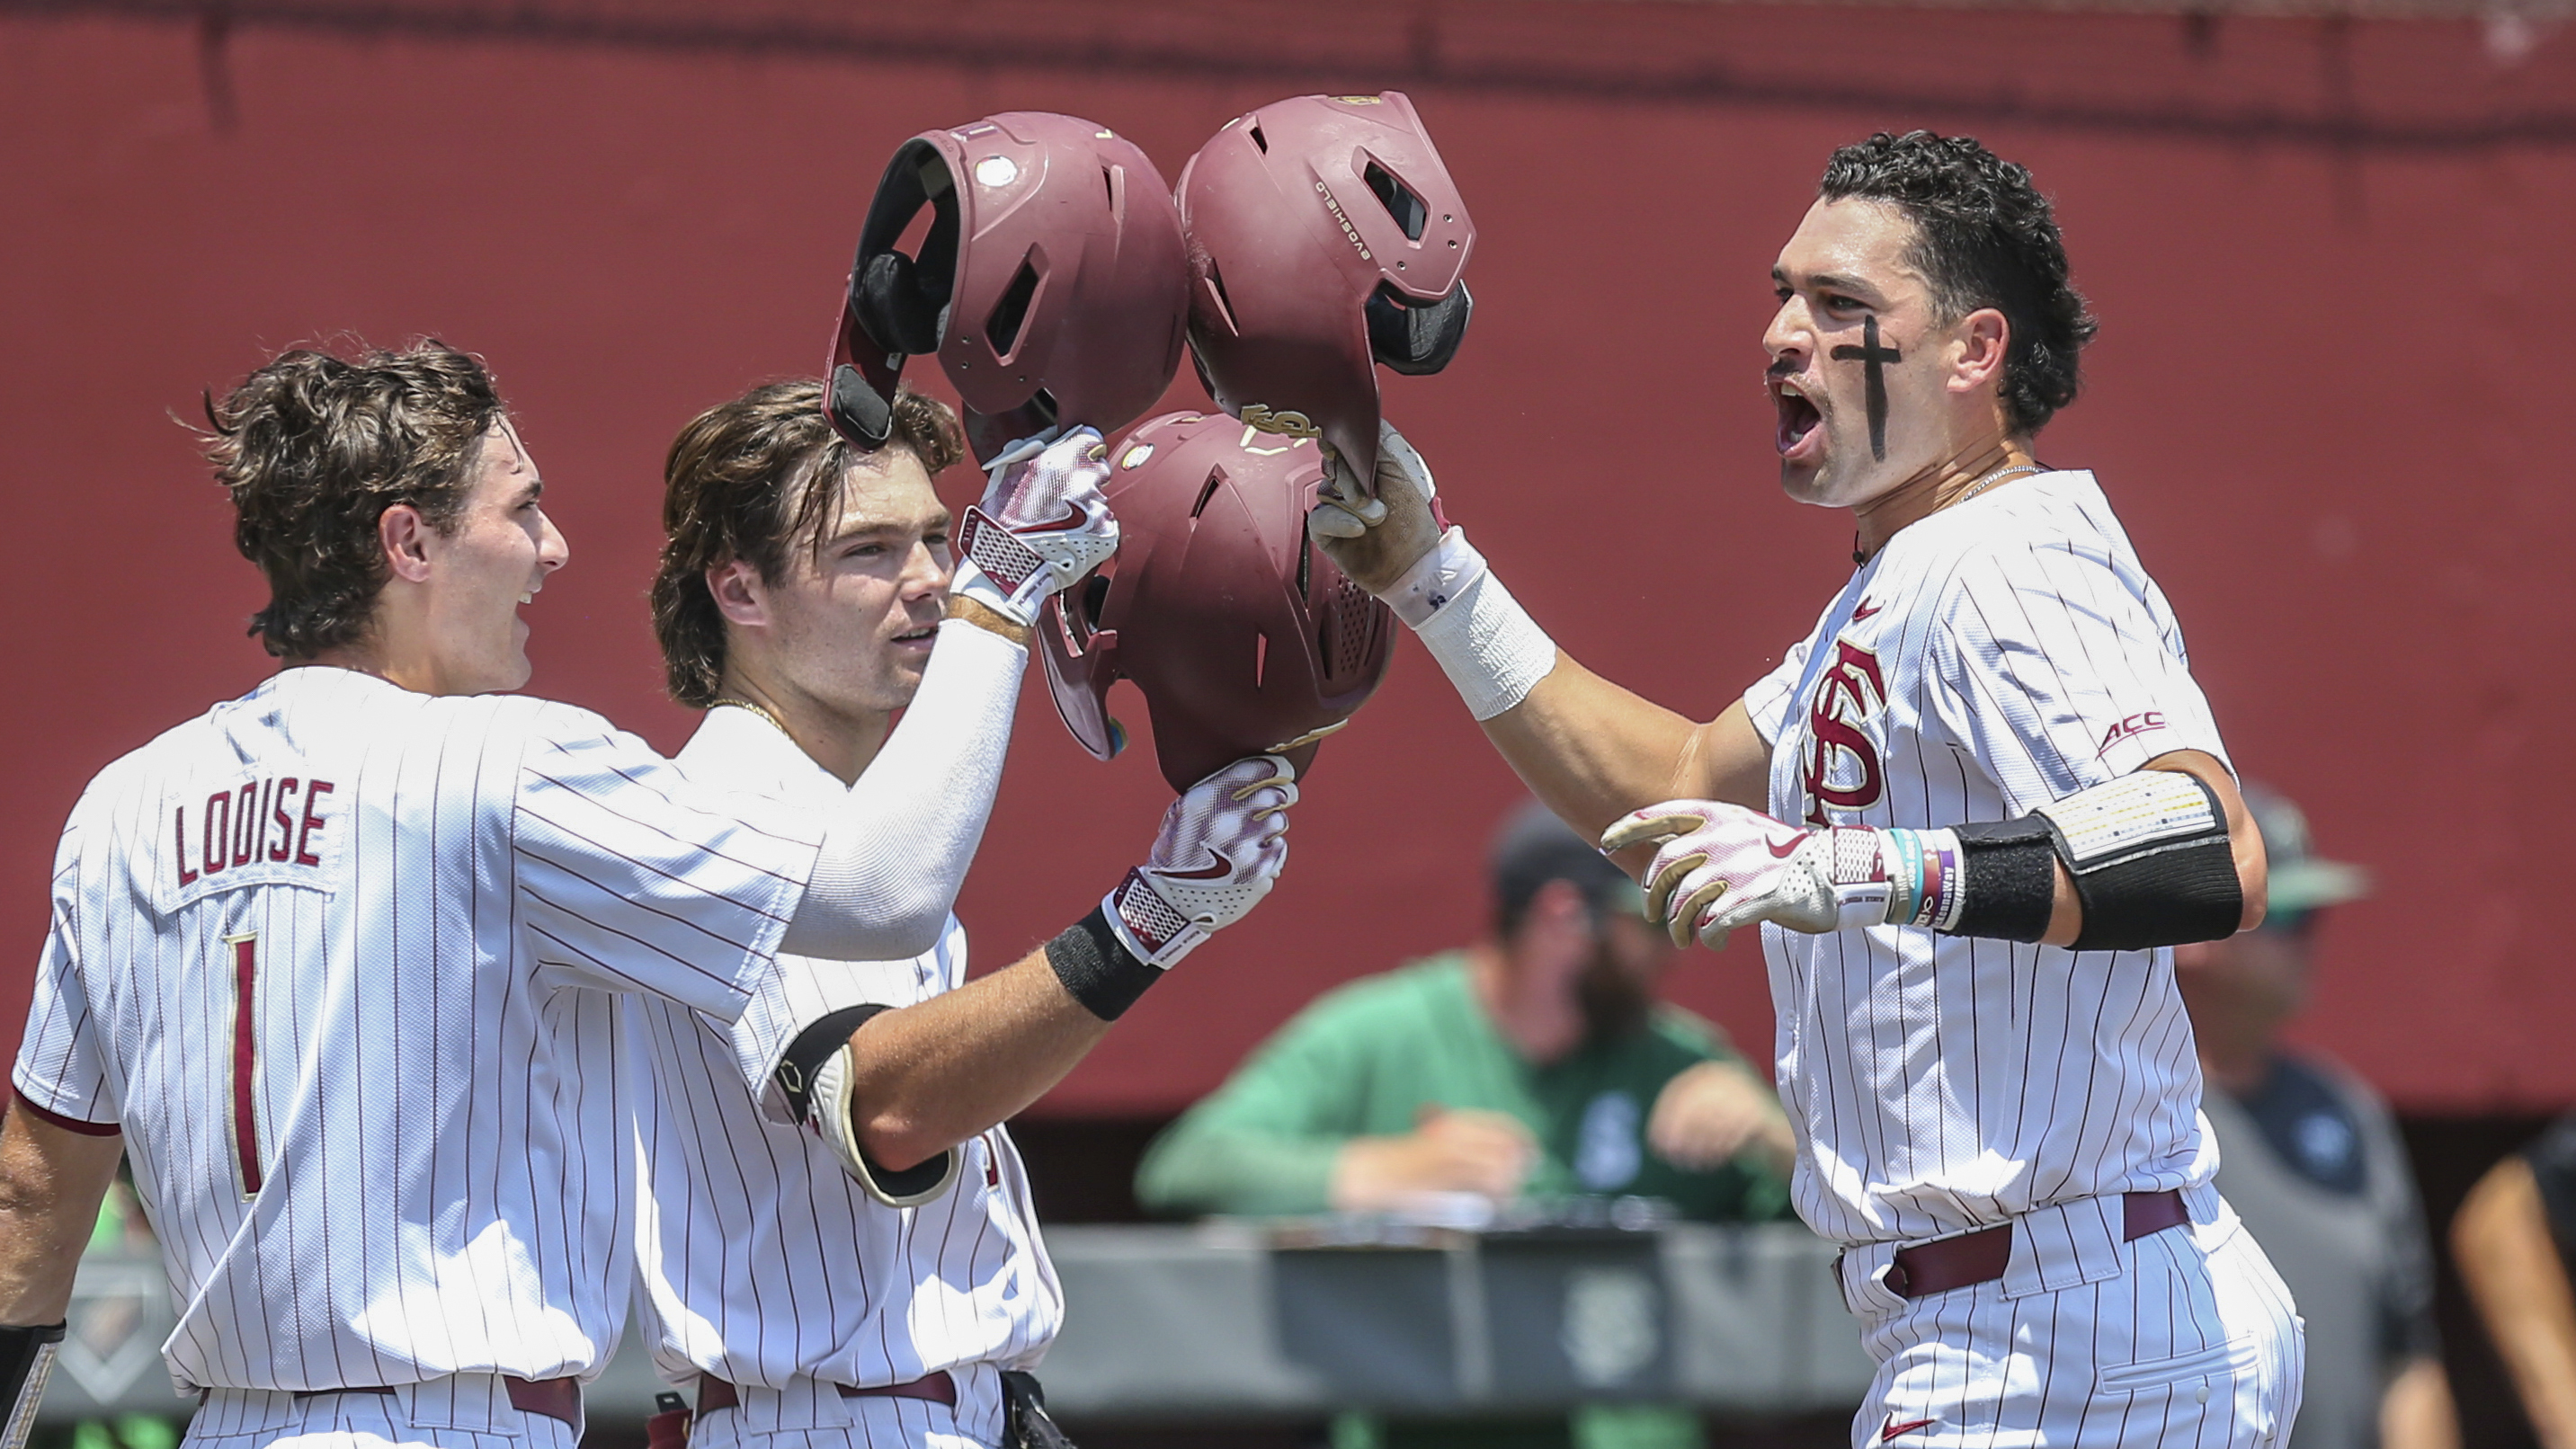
(1305, 572)
(1398, 199)
(1002, 329)
(1109, 179)
(1095, 603)
(1259, 139)
(1260, 657)
(1354, 627)
(1207, 491)
(1224, 303)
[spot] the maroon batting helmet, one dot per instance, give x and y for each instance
(1242, 636)
(1324, 235)
(1051, 282)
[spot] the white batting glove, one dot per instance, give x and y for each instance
(1376, 534)
(1043, 524)
(1719, 866)
(1221, 848)
(1345, 509)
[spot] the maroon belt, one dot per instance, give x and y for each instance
(558, 1399)
(1980, 1257)
(714, 1393)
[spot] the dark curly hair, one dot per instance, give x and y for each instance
(1983, 237)
(314, 448)
(744, 480)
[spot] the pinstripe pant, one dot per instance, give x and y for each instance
(810, 1415)
(2184, 1338)
(464, 1411)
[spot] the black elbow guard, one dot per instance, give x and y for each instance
(2148, 853)
(26, 1358)
(2151, 861)
(813, 1077)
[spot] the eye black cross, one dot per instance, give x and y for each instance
(1876, 358)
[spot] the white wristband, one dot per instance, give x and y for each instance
(1485, 641)
(1435, 578)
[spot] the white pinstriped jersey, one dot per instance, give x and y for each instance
(338, 957)
(2001, 653)
(762, 1262)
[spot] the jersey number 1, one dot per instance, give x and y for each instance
(245, 1060)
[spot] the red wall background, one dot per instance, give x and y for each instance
(2329, 396)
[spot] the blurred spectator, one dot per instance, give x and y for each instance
(2310, 1158)
(1536, 1064)
(2510, 1239)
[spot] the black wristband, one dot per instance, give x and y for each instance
(814, 1046)
(2008, 876)
(26, 1358)
(1097, 969)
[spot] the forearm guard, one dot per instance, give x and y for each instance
(26, 1357)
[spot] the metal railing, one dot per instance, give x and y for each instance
(1221, 1320)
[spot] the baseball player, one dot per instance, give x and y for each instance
(336, 962)
(1970, 811)
(875, 1277)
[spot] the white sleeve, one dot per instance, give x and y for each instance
(62, 1070)
(2061, 667)
(895, 852)
(632, 878)
(1771, 700)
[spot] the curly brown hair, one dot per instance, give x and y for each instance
(314, 448)
(1983, 237)
(745, 480)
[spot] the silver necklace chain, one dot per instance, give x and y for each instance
(2008, 470)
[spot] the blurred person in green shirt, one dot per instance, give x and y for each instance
(1535, 1064)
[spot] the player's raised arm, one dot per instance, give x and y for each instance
(891, 1089)
(1589, 748)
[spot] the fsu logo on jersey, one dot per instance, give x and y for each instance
(1841, 768)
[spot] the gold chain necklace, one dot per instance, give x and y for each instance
(727, 699)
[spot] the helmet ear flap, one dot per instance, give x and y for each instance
(1417, 338)
(898, 315)
(856, 409)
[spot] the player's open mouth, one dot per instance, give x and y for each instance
(921, 636)
(1798, 417)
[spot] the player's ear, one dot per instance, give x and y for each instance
(739, 593)
(406, 539)
(1979, 342)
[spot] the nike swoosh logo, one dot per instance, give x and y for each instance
(1783, 852)
(1865, 610)
(1072, 519)
(1218, 871)
(1909, 1426)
